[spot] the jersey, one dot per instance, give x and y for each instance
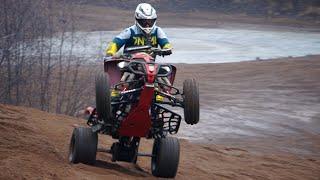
(133, 36)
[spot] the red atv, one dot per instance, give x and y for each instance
(133, 97)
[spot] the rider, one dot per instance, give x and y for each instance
(143, 32)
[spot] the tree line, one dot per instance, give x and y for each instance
(30, 73)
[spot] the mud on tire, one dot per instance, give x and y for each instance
(103, 99)
(191, 101)
(165, 159)
(83, 146)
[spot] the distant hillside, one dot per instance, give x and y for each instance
(292, 8)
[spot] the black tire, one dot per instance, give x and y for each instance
(83, 146)
(165, 159)
(191, 101)
(103, 99)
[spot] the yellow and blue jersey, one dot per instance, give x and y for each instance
(133, 36)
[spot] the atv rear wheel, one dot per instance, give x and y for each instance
(165, 157)
(83, 146)
(191, 101)
(103, 99)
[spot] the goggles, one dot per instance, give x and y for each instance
(146, 23)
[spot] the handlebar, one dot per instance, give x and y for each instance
(161, 52)
(148, 49)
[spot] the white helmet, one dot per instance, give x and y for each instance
(146, 17)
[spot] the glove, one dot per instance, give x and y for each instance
(166, 52)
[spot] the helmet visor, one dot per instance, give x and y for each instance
(146, 23)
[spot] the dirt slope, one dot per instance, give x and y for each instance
(34, 145)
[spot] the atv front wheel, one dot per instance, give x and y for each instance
(165, 157)
(103, 99)
(191, 101)
(83, 146)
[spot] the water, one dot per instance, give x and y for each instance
(228, 45)
(199, 45)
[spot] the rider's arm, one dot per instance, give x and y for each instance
(163, 39)
(118, 42)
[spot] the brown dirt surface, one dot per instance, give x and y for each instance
(101, 18)
(34, 144)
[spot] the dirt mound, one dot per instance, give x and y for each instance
(265, 7)
(34, 145)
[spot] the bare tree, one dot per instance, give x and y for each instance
(31, 73)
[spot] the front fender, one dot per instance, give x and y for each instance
(113, 71)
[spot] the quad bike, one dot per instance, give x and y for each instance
(133, 96)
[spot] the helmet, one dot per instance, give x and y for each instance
(146, 17)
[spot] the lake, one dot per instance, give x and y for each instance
(200, 45)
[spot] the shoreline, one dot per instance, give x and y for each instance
(284, 59)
